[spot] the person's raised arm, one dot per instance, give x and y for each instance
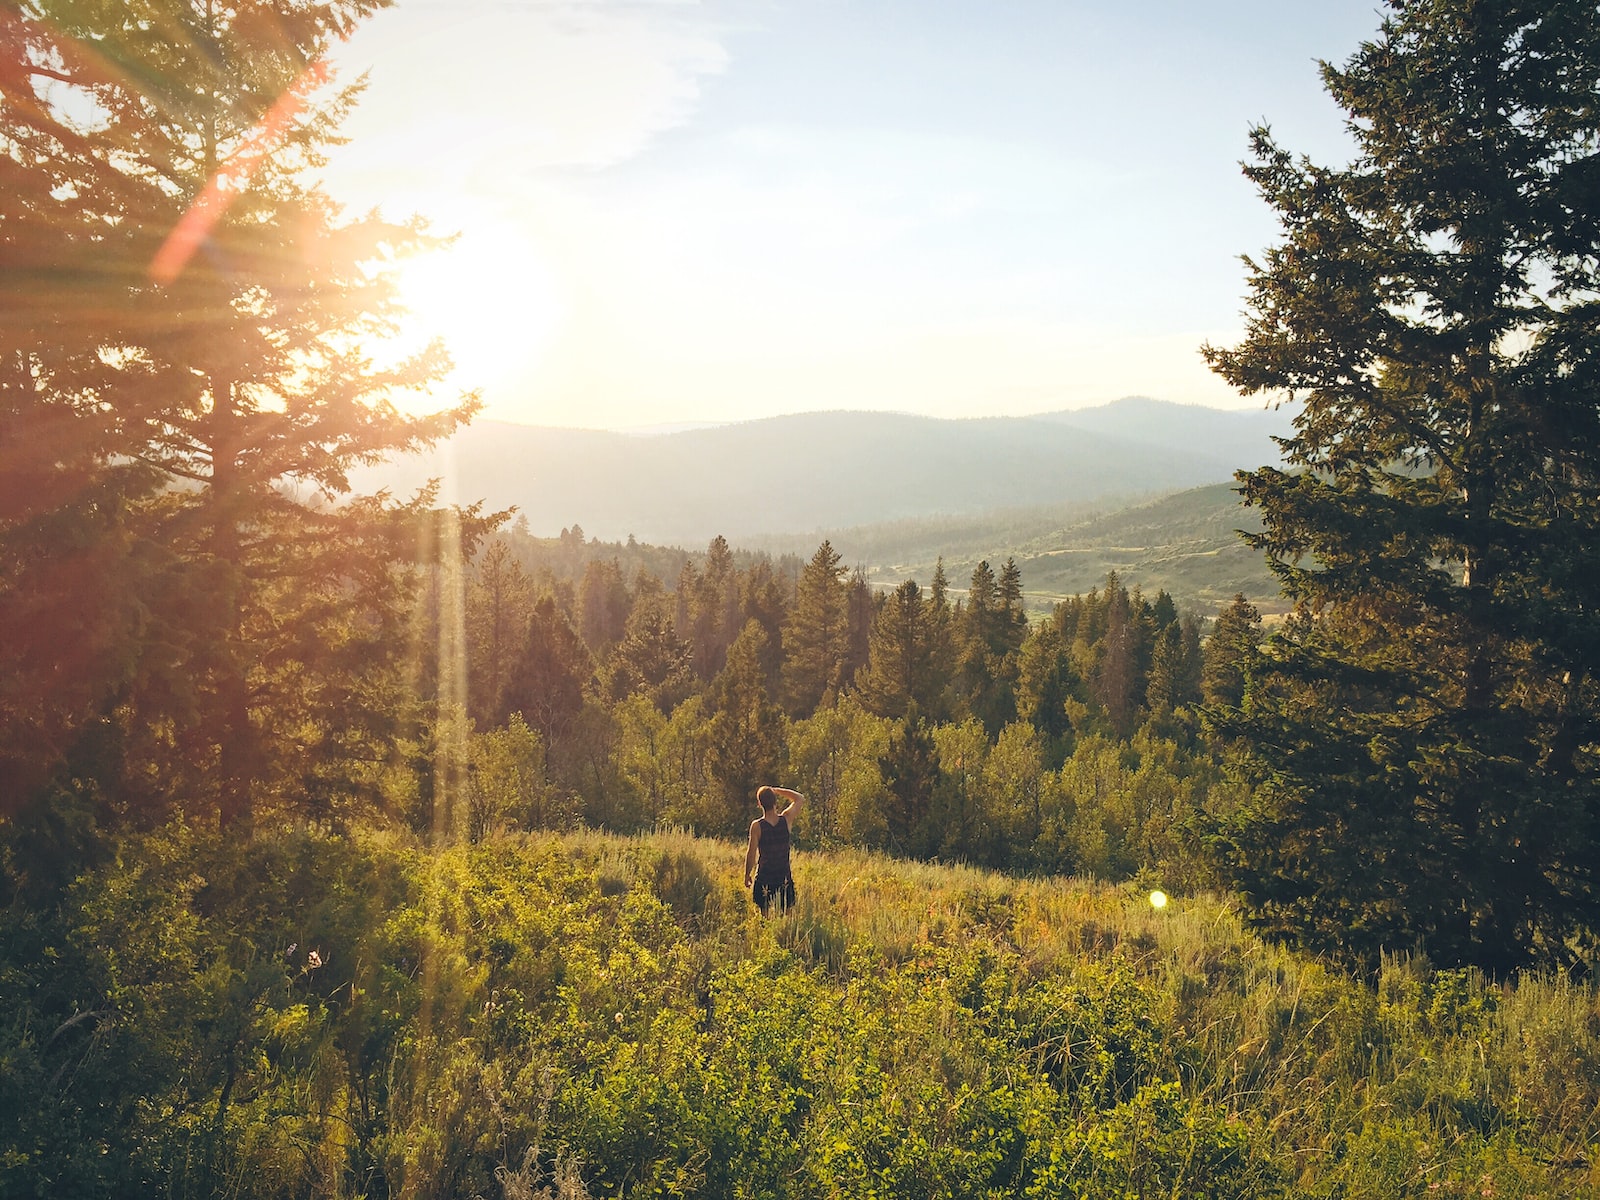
(796, 801)
(750, 854)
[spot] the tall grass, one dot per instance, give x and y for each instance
(1425, 1082)
(561, 1015)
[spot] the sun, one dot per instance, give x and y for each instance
(489, 296)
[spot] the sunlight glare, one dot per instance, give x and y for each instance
(490, 298)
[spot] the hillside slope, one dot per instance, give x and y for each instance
(832, 470)
(356, 1014)
(1186, 542)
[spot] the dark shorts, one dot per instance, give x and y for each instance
(768, 892)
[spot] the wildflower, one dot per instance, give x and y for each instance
(619, 1018)
(313, 960)
(289, 953)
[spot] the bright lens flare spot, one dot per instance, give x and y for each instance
(1158, 899)
(488, 296)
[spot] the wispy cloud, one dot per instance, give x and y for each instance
(481, 97)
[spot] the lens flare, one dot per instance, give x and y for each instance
(234, 176)
(1158, 899)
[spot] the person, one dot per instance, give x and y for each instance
(767, 860)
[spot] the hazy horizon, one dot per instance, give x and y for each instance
(687, 424)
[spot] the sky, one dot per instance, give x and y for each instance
(672, 212)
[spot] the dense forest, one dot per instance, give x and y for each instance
(363, 846)
(919, 723)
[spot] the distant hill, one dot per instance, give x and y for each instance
(1185, 542)
(835, 470)
(1242, 437)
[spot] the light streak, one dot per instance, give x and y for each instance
(233, 176)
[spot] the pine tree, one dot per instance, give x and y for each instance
(942, 639)
(1422, 730)
(1230, 652)
(1163, 611)
(910, 772)
(1116, 671)
(683, 604)
(861, 609)
(745, 738)
(899, 673)
(1085, 618)
(551, 669)
(710, 600)
(764, 599)
(1045, 683)
(986, 671)
(1013, 623)
(816, 642)
(201, 313)
(603, 605)
(651, 658)
(83, 591)
(1175, 666)
(499, 606)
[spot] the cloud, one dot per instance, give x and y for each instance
(477, 97)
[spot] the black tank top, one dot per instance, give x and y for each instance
(773, 860)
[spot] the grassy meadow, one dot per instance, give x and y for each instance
(585, 1014)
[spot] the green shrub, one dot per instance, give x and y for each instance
(310, 1014)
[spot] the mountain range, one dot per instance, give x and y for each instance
(823, 471)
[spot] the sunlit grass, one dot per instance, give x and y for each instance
(617, 1006)
(1427, 1083)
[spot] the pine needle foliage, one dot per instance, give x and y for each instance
(186, 348)
(1422, 735)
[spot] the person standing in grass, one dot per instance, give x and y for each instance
(767, 860)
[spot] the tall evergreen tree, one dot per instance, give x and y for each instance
(603, 605)
(861, 608)
(78, 582)
(1423, 732)
(816, 642)
(651, 658)
(1163, 611)
(911, 775)
(1175, 666)
(206, 312)
(710, 599)
(1230, 652)
(1116, 676)
(1013, 623)
(764, 598)
(548, 678)
(900, 671)
(1085, 617)
(942, 640)
(1045, 683)
(499, 606)
(986, 671)
(745, 738)
(683, 604)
